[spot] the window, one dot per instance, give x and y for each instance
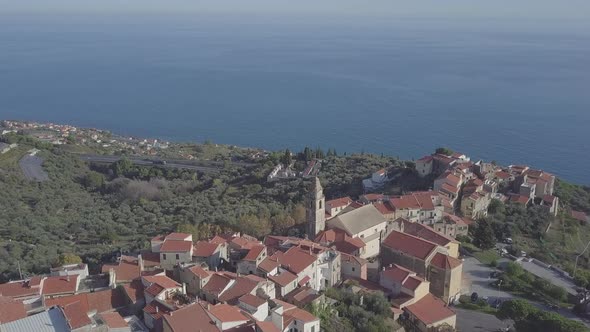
(353, 269)
(164, 256)
(177, 256)
(320, 204)
(313, 329)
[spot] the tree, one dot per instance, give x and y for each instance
(93, 180)
(188, 229)
(516, 310)
(252, 225)
(496, 206)
(68, 258)
(299, 214)
(484, 236)
(445, 151)
(514, 270)
(287, 159)
(122, 167)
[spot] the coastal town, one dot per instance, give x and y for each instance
(406, 248)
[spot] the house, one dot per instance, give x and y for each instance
(195, 276)
(249, 263)
(287, 317)
(11, 310)
(114, 322)
(452, 225)
(217, 284)
(226, 316)
(449, 185)
(428, 259)
(52, 320)
(427, 233)
(211, 252)
(519, 199)
(579, 216)
(430, 312)
(60, 286)
(353, 267)
(126, 270)
(424, 166)
(187, 318)
(5, 147)
(426, 207)
(91, 303)
(341, 241)
(366, 223)
(372, 198)
(160, 287)
(174, 252)
(475, 205)
(335, 206)
(551, 203)
(403, 286)
(377, 180)
(28, 291)
(71, 269)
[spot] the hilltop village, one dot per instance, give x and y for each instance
(405, 249)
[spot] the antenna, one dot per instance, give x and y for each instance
(20, 272)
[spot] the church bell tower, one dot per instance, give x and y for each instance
(315, 208)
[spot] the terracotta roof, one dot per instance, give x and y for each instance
(243, 243)
(450, 178)
(284, 278)
(134, 290)
(351, 258)
(100, 301)
(405, 202)
(267, 327)
(227, 313)
(579, 215)
(252, 300)
(241, 287)
(60, 285)
(163, 281)
(176, 246)
(297, 260)
(425, 159)
(156, 314)
(448, 188)
(339, 202)
(349, 245)
(18, 289)
(445, 262)
(300, 315)
(177, 236)
(396, 273)
(412, 282)
(200, 272)
(268, 264)
(159, 238)
(502, 175)
(113, 320)
(75, 315)
(204, 249)
(11, 310)
(430, 310)
(519, 199)
(358, 220)
(383, 208)
(254, 253)
(154, 290)
(549, 199)
(187, 319)
(409, 244)
(217, 283)
(427, 233)
(456, 219)
(218, 240)
(125, 270)
(150, 259)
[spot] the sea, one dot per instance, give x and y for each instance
(513, 91)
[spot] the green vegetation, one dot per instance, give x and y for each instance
(366, 312)
(97, 211)
(521, 282)
(573, 196)
(528, 318)
(445, 151)
(480, 305)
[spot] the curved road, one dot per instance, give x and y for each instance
(147, 162)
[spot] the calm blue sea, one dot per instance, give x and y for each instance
(515, 92)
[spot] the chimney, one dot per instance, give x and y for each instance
(157, 309)
(183, 288)
(140, 263)
(67, 275)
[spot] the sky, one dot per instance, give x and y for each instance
(520, 9)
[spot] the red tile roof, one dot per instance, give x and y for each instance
(409, 244)
(11, 310)
(502, 175)
(426, 233)
(18, 289)
(156, 314)
(396, 273)
(252, 300)
(176, 246)
(154, 290)
(296, 260)
(339, 202)
(188, 318)
(217, 283)
(218, 240)
(241, 287)
(268, 264)
(200, 272)
(456, 219)
(299, 314)
(425, 159)
(383, 208)
(254, 253)
(412, 282)
(549, 199)
(448, 188)
(521, 199)
(163, 281)
(126, 270)
(60, 285)
(205, 249)
(113, 320)
(100, 301)
(284, 278)
(450, 178)
(267, 327)
(75, 315)
(227, 313)
(351, 258)
(243, 243)
(134, 290)
(445, 262)
(430, 310)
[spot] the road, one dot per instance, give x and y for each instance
(552, 276)
(474, 321)
(147, 162)
(476, 278)
(32, 169)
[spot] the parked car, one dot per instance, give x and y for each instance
(508, 240)
(474, 297)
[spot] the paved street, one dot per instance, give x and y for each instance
(552, 276)
(476, 278)
(469, 320)
(32, 169)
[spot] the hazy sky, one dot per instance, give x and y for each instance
(526, 9)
